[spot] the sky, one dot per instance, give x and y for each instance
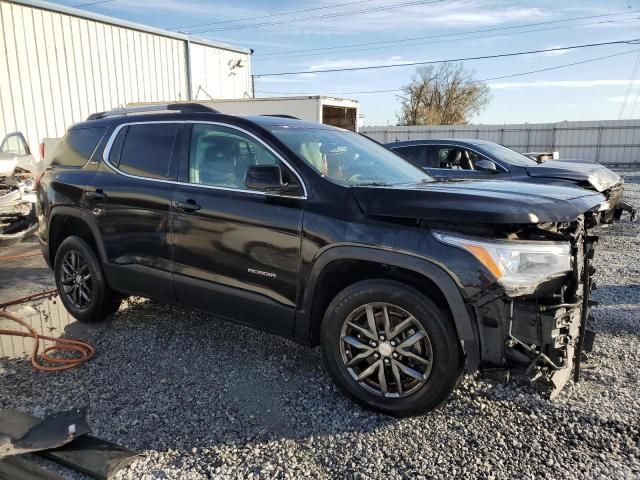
(328, 34)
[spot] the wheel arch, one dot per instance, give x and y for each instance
(348, 264)
(67, 221)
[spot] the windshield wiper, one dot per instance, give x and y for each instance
(372, 184)
(419, 182)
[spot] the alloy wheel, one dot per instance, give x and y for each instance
(77, 283)
(386, 350)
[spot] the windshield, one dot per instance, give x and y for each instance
(507, 155)
(348, 158)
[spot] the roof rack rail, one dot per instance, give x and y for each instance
(281, 115)
(180, 107)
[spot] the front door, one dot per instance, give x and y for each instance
(451, 162)
(237, 251)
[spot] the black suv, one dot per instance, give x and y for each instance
(326, 237)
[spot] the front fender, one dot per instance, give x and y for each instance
(407, 261)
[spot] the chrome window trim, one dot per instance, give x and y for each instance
(497, 162)
(107, 151)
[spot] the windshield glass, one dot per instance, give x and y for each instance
(507, 155)
(348, 158)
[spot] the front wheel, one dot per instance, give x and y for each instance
(81, 283)
(389, 348)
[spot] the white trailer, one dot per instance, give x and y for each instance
(338, 112)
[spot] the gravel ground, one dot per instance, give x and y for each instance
(206, 399)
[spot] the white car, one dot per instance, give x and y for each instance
(19, 169)
(15, 152)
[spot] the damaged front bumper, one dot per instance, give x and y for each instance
(546, 343)
(542, 336)
(622, 207)
(615, 206)
(17, 210)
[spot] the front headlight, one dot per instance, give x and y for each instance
(518, 265)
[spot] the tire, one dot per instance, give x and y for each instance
(438, 342)
(100, 302)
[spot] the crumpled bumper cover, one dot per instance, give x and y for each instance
(559, 357)
(622, 207)
(543, 338)
(51, 432)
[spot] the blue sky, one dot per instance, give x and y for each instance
(591, 91)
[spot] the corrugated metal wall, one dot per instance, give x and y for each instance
(612, 142)
(57, 68)
(212, 78)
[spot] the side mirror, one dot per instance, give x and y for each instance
(486, 166)
(264, 177)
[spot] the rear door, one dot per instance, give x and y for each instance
(131, 203)
(237, 251)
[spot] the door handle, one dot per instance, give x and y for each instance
(187, 205)
(96, 195)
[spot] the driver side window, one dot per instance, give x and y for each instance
(457, 158)
(219, 156)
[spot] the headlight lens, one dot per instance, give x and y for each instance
(518, 265)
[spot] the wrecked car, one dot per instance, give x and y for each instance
(453, 159)
(17, 185)
(323, 236)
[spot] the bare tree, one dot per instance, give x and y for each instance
(445, 94)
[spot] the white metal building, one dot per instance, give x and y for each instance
(610, 142)
(59, 64)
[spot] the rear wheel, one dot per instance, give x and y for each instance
(81, 284)
(391, 349)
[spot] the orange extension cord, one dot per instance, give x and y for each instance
(22, 255)
(44, 362)
(56, 364)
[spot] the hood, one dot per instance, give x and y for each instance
(493, 201)
(9, 162)
(599, 176)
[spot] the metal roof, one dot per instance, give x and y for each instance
(76, 12)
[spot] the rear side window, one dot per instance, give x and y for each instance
(415, 154)
(147, 149)
(78, 146)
